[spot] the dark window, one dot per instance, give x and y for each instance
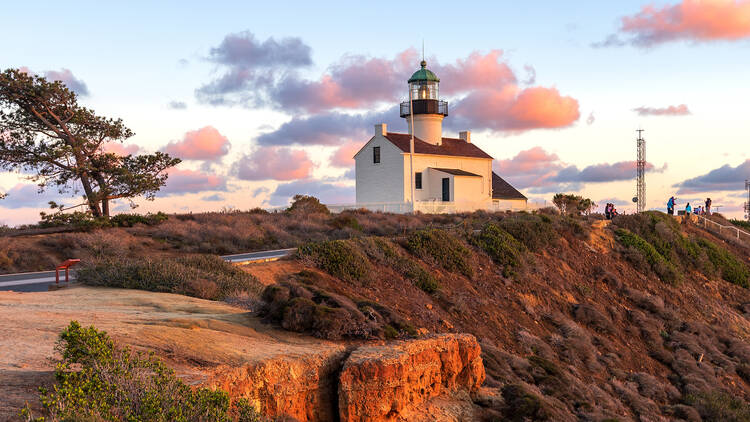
(376, 155)
(418, 180)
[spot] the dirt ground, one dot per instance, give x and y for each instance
(193, 335)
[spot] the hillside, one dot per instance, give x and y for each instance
(642, 319)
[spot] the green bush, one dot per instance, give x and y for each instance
(741, 224)
(342, 221)
(130, 220)
(534, 231)
(385, 253)
(441, 247)
(203, 276)
(732, 269)
(522, 405)
(78, 220)
(663, 268)
(719, 406)
(95, 380)
(304, 204)
(339, 258)
(503, 248)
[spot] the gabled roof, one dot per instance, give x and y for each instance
(456, 172)
(503, 190)
(450, 146)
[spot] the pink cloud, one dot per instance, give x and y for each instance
(694, 20)
(678, 110)
(509, 109)
(120, 149)
(344, 155)
(477, 71)
(202, 144)
(277, 163)
(192, 181)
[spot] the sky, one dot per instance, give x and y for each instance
(264, 100)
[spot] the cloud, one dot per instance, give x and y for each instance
(724, 178)
(321, 129)
(328, 193)
(485, 89)
(66, 76)
(544, 172)
(120, 148)
(202, 144)
(678, 110)
(344, 155)
(217, 197)
(530, 75)
(591, 119)
(249, 65)
(688, 20)
(177, 105)
(512, 110)
(192, 181)
(25, 195)
(277, 163)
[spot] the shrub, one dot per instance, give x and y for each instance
(442, 248)
(95, 380)
(78, 219)
(503, 248)
(741, 224)
(534, 231)
(718, 406)
(384, 252)
(343, 221)
(522, 405)
(202, 276)
(130, 220)
(732, 269)
(304, 204)
(339, 258)
(634, 243)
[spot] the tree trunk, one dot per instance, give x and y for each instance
(105, 207)
(91, 197)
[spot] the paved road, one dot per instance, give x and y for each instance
(44, 280)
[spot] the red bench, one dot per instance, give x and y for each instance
(65, 266)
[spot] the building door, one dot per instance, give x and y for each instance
(446, 189)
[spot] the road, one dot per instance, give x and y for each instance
(45, 280)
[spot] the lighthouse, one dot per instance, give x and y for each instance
(429, 111)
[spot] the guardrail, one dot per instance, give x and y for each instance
(735, 231)
(435, 207)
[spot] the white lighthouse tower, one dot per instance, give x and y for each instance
(429, 110)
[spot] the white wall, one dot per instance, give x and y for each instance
(379, 182)
(432, 186)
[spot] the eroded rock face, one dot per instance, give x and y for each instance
(303, 387)
(383, 383)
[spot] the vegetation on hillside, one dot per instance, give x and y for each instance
(95, 380)
(202, 276)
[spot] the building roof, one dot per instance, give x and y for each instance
(450, 146)
(503, 190)
(457, 172)
(424, 74)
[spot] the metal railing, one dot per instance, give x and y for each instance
(425, 107)
(733, 231)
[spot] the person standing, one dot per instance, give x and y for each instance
(708, 206)
(670, 206)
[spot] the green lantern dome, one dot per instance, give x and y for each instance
(424, 74)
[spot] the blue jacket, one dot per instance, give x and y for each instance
(670, 203)
(688, 209)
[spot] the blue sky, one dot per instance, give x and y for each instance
(137, 57)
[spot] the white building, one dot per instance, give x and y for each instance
(447, 174)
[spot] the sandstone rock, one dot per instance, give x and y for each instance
(300, 386)
(382, 383)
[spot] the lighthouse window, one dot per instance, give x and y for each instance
(376, 155)
(418, 180)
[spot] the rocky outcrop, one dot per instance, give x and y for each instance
(302, 387)
(382, 383)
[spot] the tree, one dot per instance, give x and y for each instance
(46, 133)
(573, 204)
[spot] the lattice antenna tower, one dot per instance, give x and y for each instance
(747, 204)
(641, 172)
